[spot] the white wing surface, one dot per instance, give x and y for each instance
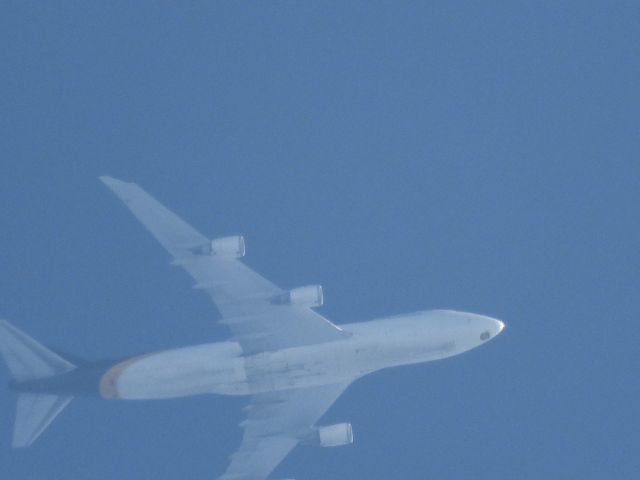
(243, 297)
(275, 425)
(276, 421)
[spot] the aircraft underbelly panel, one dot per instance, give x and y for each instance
(215, 368)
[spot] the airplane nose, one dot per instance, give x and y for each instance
(493, 328)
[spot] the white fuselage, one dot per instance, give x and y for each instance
(222, 368)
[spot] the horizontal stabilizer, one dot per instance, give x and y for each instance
(29, 360)
(34, 414)
(26, 358)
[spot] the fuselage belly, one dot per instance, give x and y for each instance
(222, 368)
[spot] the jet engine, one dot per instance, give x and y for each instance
(331, 436)
(309, 296)
(230, 247)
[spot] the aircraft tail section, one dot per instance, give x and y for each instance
(26, 358)
(29, 360)
(34, 414)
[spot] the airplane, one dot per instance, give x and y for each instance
(292, 362)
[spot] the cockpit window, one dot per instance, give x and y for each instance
(485, 335)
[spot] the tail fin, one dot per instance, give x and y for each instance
(29, 360)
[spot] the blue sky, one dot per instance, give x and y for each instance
(404, 155)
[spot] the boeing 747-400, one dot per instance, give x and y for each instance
(291, 362)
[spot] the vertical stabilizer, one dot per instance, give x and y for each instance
(29, 360)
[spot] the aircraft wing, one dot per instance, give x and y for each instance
(243, 297)
(276, 423)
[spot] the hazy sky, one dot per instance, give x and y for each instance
(405, 155)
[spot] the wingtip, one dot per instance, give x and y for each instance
(107, 179)
(17, 444)
(111, 181)
(5, 324)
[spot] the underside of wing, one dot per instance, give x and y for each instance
(275, 424)
(261, 315)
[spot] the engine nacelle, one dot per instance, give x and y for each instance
(309, 296)
(230, 247)
(332, 435)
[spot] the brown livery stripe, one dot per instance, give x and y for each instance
(109, 381)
